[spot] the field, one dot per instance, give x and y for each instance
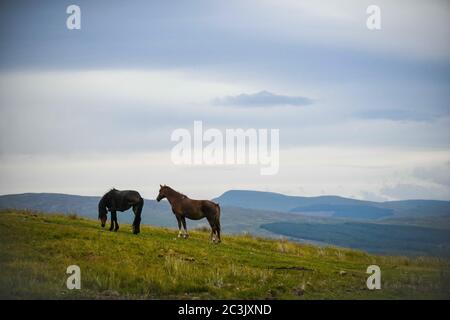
(36, 248)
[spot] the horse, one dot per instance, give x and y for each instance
(116, 200)
(184, 207)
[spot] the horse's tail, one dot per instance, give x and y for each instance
(102, 211)
(137, 209)
(140, 205)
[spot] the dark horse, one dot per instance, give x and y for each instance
(183, 208)
(115, 200)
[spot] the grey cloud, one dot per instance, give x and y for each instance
(396, 115)
(372, 196)
(405, 191)
(262, 99)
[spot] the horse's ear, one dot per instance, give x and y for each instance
(160, 185)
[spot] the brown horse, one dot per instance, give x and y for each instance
(183, 208)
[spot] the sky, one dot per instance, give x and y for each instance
(361, 113)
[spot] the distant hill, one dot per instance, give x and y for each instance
(335, 206)
(259, 200)
(86, 206)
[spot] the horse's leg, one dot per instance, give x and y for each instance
(214, 233)
(218, 234)
(215, 228)
(113, 217)
(211, 224)
(183, 220)
(137, 209)
(179, 225)
(116, 223)
(217, 223)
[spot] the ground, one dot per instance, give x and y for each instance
(36, 249)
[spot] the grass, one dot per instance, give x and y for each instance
(36, 249)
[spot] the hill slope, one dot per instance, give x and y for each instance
(35, 250)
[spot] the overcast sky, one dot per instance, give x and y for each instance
(361, 113)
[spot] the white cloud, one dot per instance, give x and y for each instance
(413, 191)
(439, 174)
(316, 170)
(372, 196)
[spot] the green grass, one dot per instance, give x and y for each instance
(35, 250)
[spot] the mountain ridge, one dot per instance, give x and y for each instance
(286, 203)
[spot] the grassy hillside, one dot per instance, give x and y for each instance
(35, 250)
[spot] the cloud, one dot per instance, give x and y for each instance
(262, 99)
(253, 31)
(105, 90)
(438, 174)
(396, 115)
(131, 110)
(372, 196)
(405, 191)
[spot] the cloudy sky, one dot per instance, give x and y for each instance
(361, 113)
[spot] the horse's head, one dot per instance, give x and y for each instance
(162, 192)
(102, 211)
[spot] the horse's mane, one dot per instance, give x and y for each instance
(181, 194)
(103, 202)
(109, 191)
